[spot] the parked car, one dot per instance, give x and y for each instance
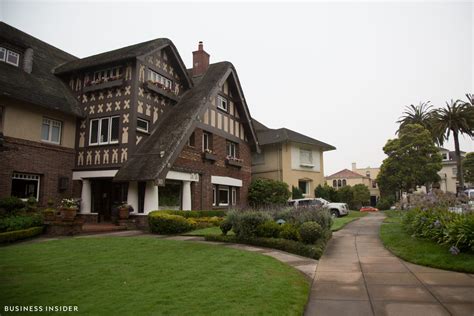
(336, 209)
(368, 209)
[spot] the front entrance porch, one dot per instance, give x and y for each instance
(100, 195)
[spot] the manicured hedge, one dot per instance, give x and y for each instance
(194, 214)
(20, 234)
(163, 223)
(20, 222)
(311, 251)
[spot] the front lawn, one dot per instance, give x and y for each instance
(340, 222)
(148, 276)
(420, 251)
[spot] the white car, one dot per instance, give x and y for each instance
(336, 209)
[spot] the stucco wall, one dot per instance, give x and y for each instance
(24, 121)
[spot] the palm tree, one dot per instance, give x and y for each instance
(420, 114)
(456, 118)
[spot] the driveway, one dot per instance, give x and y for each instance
(358, 276)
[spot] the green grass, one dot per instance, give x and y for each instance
(340, 222)
(214, 230)
(420, 251)
(148, 276)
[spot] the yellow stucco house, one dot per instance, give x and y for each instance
(355, 176)
(290, 157)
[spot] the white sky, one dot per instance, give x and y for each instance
(339, 72)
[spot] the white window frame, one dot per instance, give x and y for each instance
(233, 149)
(156, 77)
(107, 73)
(50, 122)
(308, 163)
(223, 188)
(222, 103)
(4, 50)
(147, 125)
(28, 177)
(205, 142)
(214, 197)
(9, 52)
(99, 131)
(234, 196)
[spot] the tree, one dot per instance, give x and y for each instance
(361, 195)
(296, 193)
(268, 192)
(346, 195)
(456, 118)
(413, 160)
(421, 114)
(468, 167)
(326, 192)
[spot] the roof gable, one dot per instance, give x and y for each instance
(345, 173)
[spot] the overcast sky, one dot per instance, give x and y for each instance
(338, 72)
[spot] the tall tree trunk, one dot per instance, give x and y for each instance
(458, 161)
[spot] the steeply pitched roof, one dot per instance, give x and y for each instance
(158, 152)
(271, 136)
(345, 173)
(41, 86)
(124, 53)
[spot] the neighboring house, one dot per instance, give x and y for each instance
(37, 119)
(371, 173)
(290, 157)
(155, 134)
(448, 172)
(356, 176)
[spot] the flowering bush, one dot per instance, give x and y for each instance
(443, 227)
(69, 203)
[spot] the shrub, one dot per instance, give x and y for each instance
(301, 215)
(268, 192)
(346, 195)
(20, 234)
(245, 224)
(269, 229)
(360, 196)
(296, 193)
(162, 223)
(19, 222)
(291, 246)
(310, 232)
(326, 192)
(207, 221)
(11, 204)
(225, 226)
(195, 214)
(289, 232)
(460, 232)
(384, 203)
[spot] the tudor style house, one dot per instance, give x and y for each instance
(289, 156)
(150, 132)
(37, 119)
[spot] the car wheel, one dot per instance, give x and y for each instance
(334, 213)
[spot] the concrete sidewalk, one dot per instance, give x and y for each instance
(358, 276)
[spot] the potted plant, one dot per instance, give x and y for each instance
(124, 210)
(68, 209)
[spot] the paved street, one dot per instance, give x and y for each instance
(358, 276)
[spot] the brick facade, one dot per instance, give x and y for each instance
(190, 159)
(49, 161)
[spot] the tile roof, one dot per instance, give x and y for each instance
(41, 86)
(345, 173)
(271, 136)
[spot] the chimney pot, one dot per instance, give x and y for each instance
(354, 166)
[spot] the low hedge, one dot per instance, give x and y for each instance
(12, 236)
(20, 222)
(163, 223)
(195, 214)
(311, 251)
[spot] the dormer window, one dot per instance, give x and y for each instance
(155, 77)
(222, 103)
(10, 57)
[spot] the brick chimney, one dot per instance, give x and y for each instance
(200, 61)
